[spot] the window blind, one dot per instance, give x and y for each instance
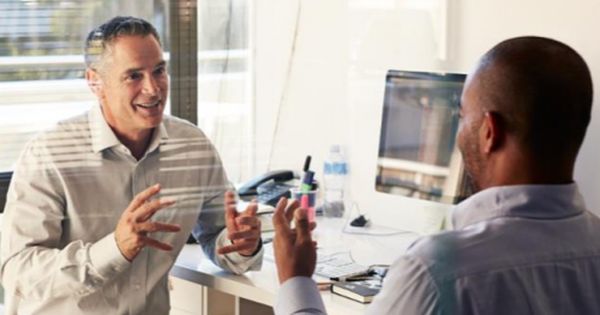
(41, 62)
(206, 44)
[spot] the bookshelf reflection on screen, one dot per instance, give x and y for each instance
(418, 156)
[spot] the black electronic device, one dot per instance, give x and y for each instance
(418, 155)
(268, 188)
(360, 221)
(4, 182)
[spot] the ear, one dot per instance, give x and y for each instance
(492, 133)
(94, 81)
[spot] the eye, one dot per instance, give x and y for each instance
(159, 71)
(134, 76)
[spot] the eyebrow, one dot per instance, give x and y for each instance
(158, 65)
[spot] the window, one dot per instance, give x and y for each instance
(41, 62)
(225, 103)
(42, 69)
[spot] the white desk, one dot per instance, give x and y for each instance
(261, 286)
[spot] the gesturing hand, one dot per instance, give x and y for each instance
(135, 223)
(243, 229)
(295, 251)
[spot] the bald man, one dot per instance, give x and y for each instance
(524, 243)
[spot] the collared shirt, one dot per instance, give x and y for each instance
(530, 249)
(69, 189)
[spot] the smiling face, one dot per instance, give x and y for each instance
(131, 84)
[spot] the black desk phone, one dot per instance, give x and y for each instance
(269, 187)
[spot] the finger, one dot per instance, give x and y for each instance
(143, 196)
(280, 223)
(230, 198)
(249, 234)
(251, 222)
(158, 227)
(156, 244)
(311, 227)
(230, 215)
(302, 226)
(147, 210)
(289, 214)
(240, 246)
(251, 209)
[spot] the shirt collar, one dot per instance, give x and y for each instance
(526, 201)
(158, 138)
(103, 137)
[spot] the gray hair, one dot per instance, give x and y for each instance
(99, 38)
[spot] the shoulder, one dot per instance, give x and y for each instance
(183, 131)
(72, 133)
(183, 135)
(437, 246)
(452, 254)
(181, 128)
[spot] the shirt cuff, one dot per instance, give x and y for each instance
(107, 258)
(299, 295)
(235, 262)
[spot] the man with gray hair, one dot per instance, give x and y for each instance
(100, 205)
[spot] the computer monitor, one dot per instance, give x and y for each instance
(418, 156)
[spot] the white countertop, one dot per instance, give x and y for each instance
(261, 286)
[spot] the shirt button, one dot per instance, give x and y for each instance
(137, 286)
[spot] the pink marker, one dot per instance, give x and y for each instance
(305, 203)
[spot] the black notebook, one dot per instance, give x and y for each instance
(361, 291)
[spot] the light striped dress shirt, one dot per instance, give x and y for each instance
(69, 189)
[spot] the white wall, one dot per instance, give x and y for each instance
(336, 76)
(481, 24)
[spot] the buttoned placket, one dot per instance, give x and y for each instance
(138, 269)
(138, 276)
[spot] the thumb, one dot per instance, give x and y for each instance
(251, 209)
(302, 225)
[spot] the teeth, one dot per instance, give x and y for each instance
(149, 105)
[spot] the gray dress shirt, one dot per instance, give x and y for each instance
(515, 250)
(69, 189)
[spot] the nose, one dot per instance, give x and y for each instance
(150, 86)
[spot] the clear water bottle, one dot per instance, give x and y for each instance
(334, 175)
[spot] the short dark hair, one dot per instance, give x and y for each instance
(103, 35)
(547, 88)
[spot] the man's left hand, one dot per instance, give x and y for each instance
(243, 229)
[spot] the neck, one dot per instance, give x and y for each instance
(136, 142)
(520, 168)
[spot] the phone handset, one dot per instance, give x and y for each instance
(268, 187)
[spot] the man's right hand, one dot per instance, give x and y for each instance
(135, 224)
(295, 251)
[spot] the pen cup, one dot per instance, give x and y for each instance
(307, 199)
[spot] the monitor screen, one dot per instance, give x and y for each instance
(418, 156)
